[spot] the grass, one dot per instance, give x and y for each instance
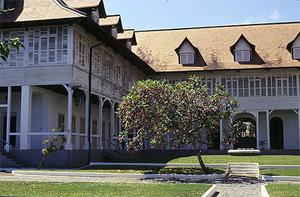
(277, 190)
(149, 170)
(280, 172)
(17, 188)
(222, 159)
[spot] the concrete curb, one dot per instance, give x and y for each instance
(280, 178)
(264, 192)
(116, 175)
(210, 192)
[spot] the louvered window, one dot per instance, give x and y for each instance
(48, 45)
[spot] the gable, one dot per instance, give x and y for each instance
(242, 45)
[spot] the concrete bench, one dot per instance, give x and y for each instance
(244, 152)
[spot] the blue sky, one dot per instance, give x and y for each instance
(167, 14)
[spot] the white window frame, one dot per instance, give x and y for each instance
(184, 58)
(245, 58)
(294, 56)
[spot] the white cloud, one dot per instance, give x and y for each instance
(274, 15)
(254, 19)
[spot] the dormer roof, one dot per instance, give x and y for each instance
(30, 10)
(186, 40)
(112, 20)
(290, 44)
(242, 37)
(82, 3)
(128, 34)
(87, 6)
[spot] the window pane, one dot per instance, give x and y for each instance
(246, 55)
(296, 53)
(238, 56)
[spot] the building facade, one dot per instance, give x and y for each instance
(77, 64)
(69, 50)
(257, 64)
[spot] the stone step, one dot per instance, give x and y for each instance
(243, 168)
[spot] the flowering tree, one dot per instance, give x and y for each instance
(232, 133)
(53, 146)
(174, 116)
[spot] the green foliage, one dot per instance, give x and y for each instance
(6, 45)
(173, 115)
(53, 146)
(232, 133)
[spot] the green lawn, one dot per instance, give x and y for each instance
(15, 188)
(283, 190)
(223, 159)
(280, 172)
(149, 170)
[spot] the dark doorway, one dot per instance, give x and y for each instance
(276, 133)
(13, 129)
(248, 138)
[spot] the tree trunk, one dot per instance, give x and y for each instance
(42, 162)
(204, 168)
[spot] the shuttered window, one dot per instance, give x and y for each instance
(48, 45)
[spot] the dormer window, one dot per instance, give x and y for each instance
(187, 58)
(242, 56)
(296, 53)
(294, 47)
(242, 50)
(186, 52)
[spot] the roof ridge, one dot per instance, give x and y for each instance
(218, 26)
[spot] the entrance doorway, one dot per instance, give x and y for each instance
(13, 129)
(276, 133)
(248, 138)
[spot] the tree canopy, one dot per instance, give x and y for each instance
(174, 115)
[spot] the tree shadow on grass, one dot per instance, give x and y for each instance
(152, 170)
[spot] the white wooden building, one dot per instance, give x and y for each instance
(46, 85)
(257, 64)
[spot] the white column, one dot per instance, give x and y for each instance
(231, 145)
(8, 119)
(112, 122)
(25, 126)
(221, 134)
(257, 131)
(86, 144)
(268, 129)
(69, 145)
(299, 126)
(100, 120)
